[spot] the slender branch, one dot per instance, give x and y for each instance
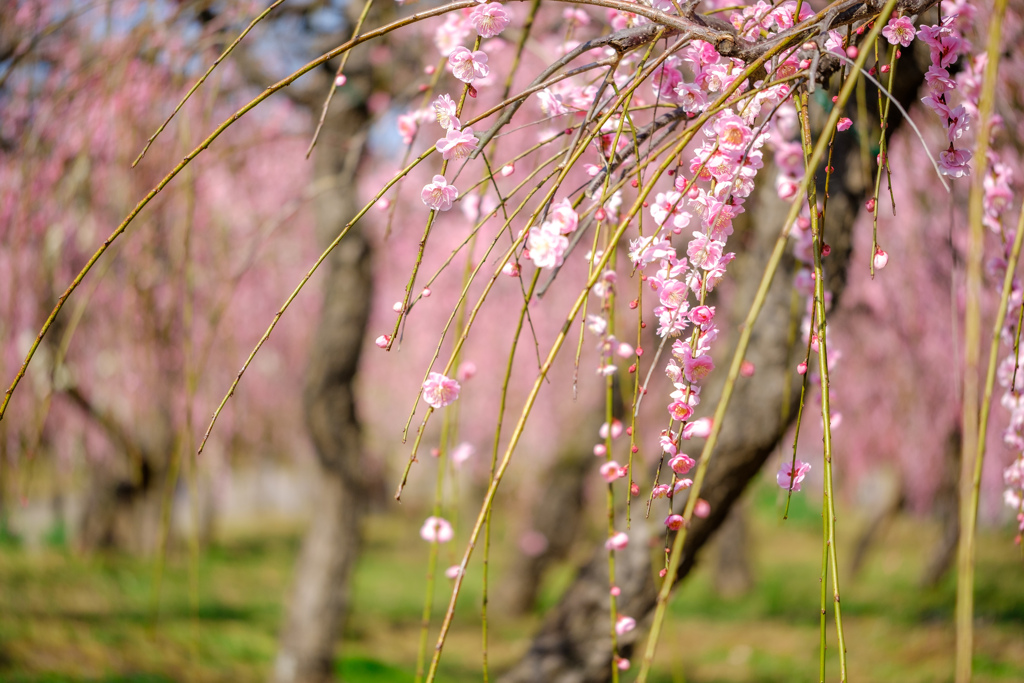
(973, 430)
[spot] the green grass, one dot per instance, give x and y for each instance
(65, 617)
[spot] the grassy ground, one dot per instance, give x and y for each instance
(68, 618)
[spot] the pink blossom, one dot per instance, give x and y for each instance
(646, 250)
(698, 429)
(958, 123)
(489, 20)
(533, 543)
(611, 470)
(682, 485)
(680, 410)
(436, 530)
(733, 133)
(624, 624)
(546, 245)
(702, 315)
(696, 369)
(576, 17)
(674, 522)
(551, 104)
(564, 217)
(444, 109)
(467, 370)
(467, 66)
(954, 162)
(457, 144)
(844, 124)
(615, 431)
(703, 251)
(407, 126)
(899, 31)
(438, 194)
(690, 97)
(681, 463)
(617, 541)
(790, 476)
(939, 80)
(461, 453)
(439, 391)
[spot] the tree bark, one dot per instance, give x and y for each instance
(319, 601)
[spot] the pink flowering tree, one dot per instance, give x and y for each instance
(605, 190)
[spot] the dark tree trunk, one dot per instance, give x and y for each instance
(558, 511)
(947, 512)
(573, 645)
(319, 601)
(734, 572)
(122, 508)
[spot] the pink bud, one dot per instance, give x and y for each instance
(467, 370)
(383, 340)
(429, 69)
(674, 522)
(852, 52)
(615, 591)
(507, 170)
(453, 571)
(618, 541)
(870, 205)
(801, 369)
(600, 450)
(662, 573)
(634, 489)
(747, 368)
(600, 214)
(340, 80)
(426, 292)
(384, 204)
(624, 350)
(702, 509)
(880, 259)
(624, 625)
(397, 307)
(623, 664)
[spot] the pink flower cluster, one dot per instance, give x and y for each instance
(546, 244)
(945, 45)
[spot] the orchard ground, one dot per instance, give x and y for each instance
(65, 617)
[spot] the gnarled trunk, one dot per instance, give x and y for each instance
(319, 601)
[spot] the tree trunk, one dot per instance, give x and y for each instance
(319, 601)
(947, 510)
(734, 574)
(573, 645)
